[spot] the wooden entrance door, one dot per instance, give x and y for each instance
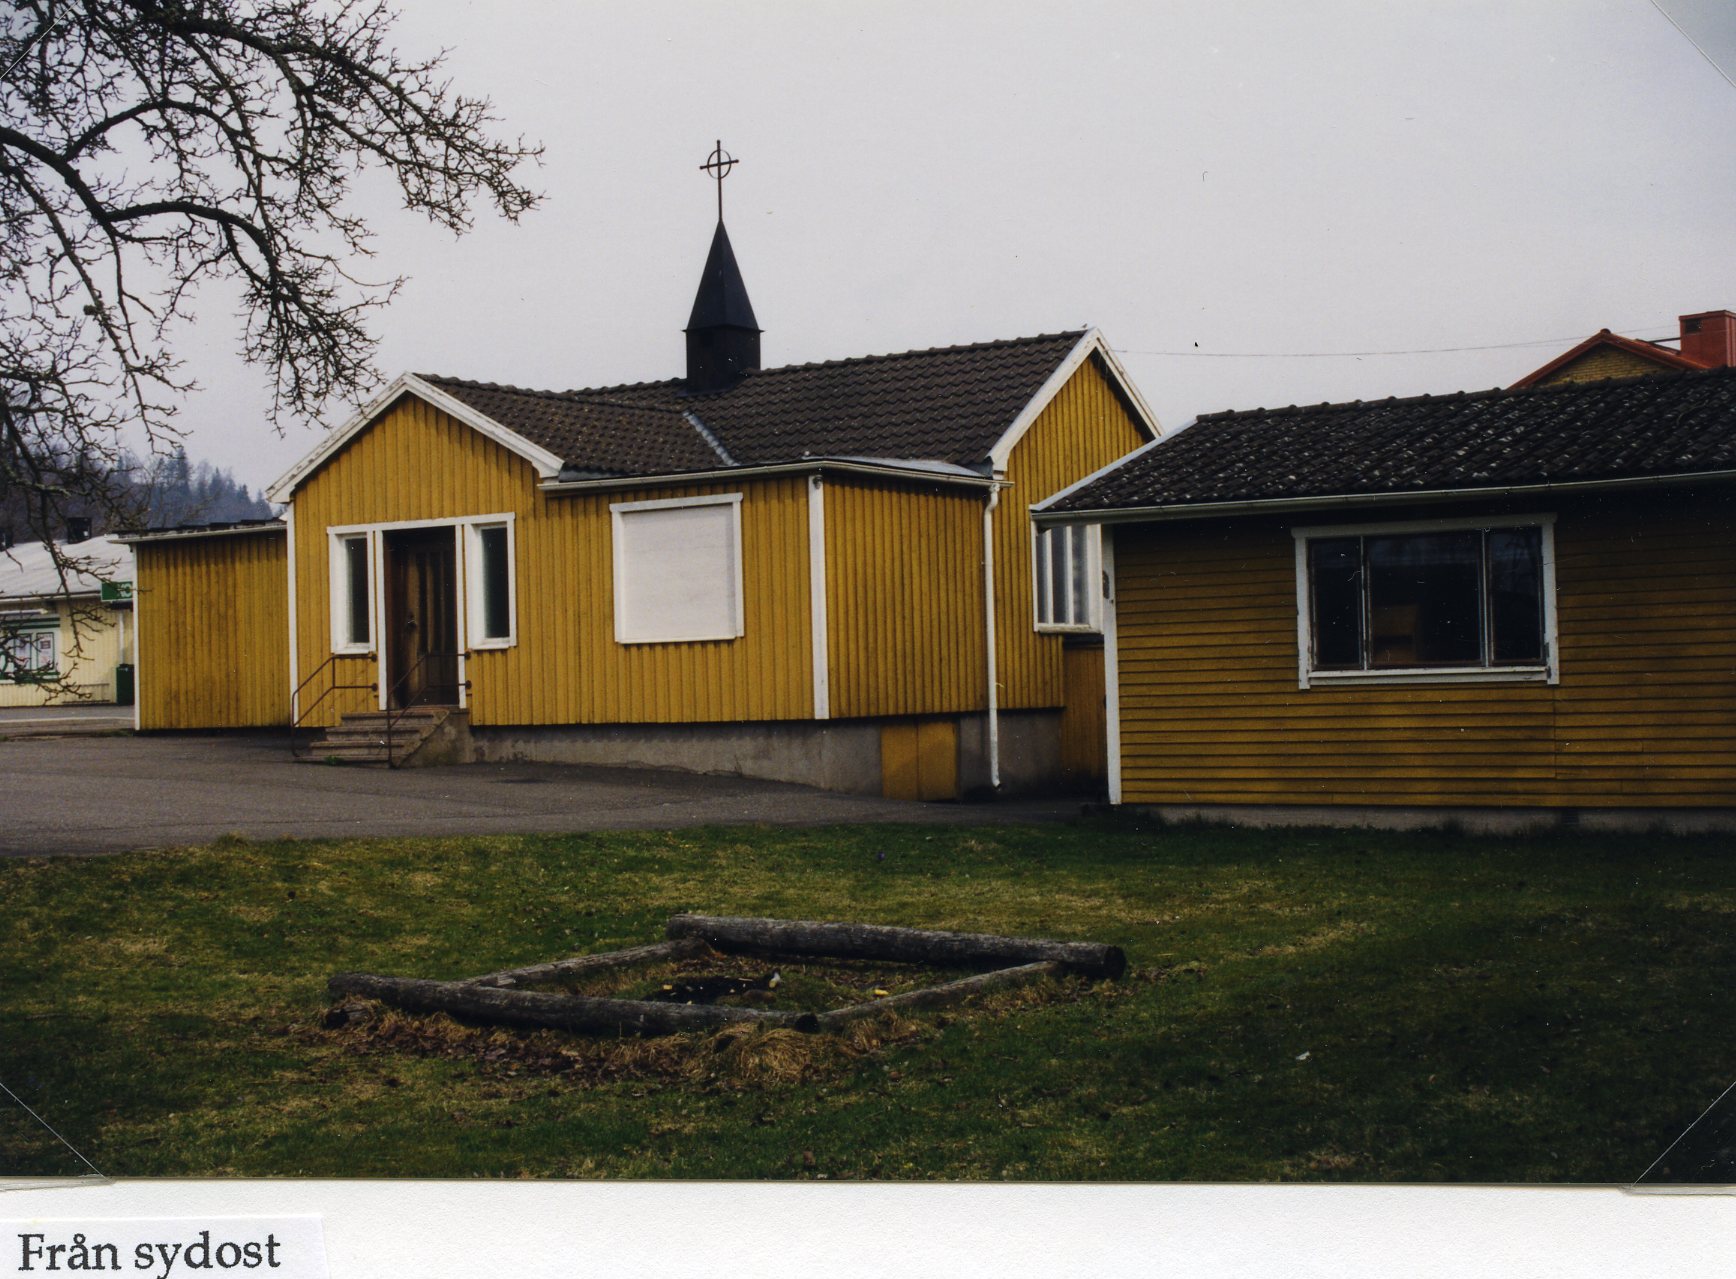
(422, 617)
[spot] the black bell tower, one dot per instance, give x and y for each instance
(723, 338)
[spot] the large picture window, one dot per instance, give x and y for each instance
(1452, 598)
(678, 570)
(1066, 566)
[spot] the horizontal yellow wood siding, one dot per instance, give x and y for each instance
(904, 599)
(213, 642)
(417, 463)
(1085, 427)
(1644, 714)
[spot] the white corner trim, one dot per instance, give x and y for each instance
(547, 465)
(818, 622)
(1111, 674)
(1091, 342)
(993, 672)
(294, 646)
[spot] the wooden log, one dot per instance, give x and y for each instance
(951, 992)
(907, 945)
(585, 965)
(560, 1012)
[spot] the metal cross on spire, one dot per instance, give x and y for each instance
(718, 164)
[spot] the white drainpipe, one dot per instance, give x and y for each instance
(989, 627)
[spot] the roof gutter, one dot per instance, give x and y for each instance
(1224, 510)
(808, 466)
(185, 535)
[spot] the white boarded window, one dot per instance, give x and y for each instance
(678, 570)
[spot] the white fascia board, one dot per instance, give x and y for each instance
(1278, 505)
(547, 465)
(1091, 342)
(1099, 473)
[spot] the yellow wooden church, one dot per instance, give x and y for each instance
(823, 573)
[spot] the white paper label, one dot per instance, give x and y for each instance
(164, 1247)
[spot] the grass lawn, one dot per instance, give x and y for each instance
(1300, 1005)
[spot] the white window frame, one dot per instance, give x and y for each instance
(1042, 575)
(623, 588)
(31, 628)
(1546, 672)
(338, 566)
(475, 585)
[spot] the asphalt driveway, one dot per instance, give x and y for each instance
(103, 794)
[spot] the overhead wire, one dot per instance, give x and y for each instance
(1357, 355)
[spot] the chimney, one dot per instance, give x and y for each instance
(1709, 339)
(78, 528)
(723, 338)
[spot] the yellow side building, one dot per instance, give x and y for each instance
(1508, 607)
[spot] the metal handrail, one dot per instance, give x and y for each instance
(394, 716)
(302, 714)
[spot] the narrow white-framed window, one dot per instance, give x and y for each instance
(352, 592)
(491, 582)
(678, 576)
(1066, 574)
(1427, 601)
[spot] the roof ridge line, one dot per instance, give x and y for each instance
(1490, 393)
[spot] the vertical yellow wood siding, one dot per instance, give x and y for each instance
(213, 644)
(1085, 427)
(1644, 714)
(904, 599)
(417, 463)
(1084, 746)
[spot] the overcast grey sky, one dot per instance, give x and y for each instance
(1216, 179)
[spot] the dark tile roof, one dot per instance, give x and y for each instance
(602, 436)
(948, 404)
(1664, 424)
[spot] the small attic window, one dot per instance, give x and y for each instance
(678, 575)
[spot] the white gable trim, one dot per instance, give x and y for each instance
(1091, 342)
(548, 466)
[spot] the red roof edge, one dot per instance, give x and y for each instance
(1662, 357)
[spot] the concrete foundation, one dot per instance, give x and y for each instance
(1490, 821)
(835, 755)
(838, 756)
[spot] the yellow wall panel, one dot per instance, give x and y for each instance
(1605, 362)
(213, 642)
(1645, 711)
(904, 599)
(417, 463)
(1085, 427)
